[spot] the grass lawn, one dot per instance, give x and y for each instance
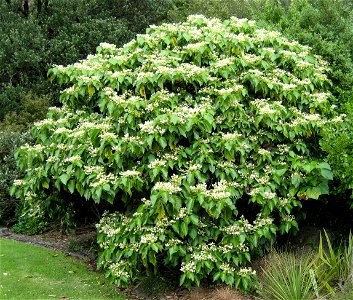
(32, 272)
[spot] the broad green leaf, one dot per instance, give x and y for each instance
(71, 186)
(64, 178)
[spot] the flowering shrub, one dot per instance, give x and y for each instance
(207, 131)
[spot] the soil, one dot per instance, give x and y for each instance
(81, 245)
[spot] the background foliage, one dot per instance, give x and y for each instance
(9, 141)
(63, 32)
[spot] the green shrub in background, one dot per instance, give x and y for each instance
(202, 134)
(13, 134)
(337, 143)
(222, 9)
(9, 172)
(34, 108)
(62, 32)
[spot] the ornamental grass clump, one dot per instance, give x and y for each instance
(288, 276)
(205, 133)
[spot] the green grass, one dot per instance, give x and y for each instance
(32, 272)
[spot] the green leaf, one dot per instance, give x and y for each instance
(174, 119)
(186, 36)
(183, 229)
(64, 178)
(189, 204)
(280, 172)
(106, 187)
(296, 179)
(327, 174)
(193, 233)
(216, 276)
(314, 192)
(90, 90)
(194, 219)
(324, 165)
(162, 141)
(182, 279)
(98, 194)
(71, 186)
(175, 227)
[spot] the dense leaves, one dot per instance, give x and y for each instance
(326, 26)
(337, 142)
(9, 171)
(206, 132)
(61, 32)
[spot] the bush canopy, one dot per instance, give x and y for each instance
(203, 135)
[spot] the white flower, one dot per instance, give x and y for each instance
(201, 187)
(18, 182)
(130, 173)
(108, 46)
(226, 268)
(264, 152)
(246, 272)
(62, 130)
(231, 136)
(72, 158)
(269, 195)
(167, 187)
(157, 163)
(188, 267)
(194, 167)
(52, 159)
(108, 136)
(148, 239)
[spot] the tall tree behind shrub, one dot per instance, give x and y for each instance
(221, 9)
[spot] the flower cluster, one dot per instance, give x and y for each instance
(168, 187)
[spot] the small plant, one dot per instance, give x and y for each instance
(334, 265)
(328, 265)
(306, 275)
(347, 262)
(288, 276)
